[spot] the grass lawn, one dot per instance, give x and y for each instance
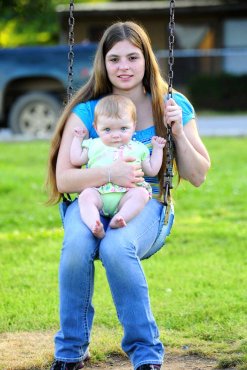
(197, 283)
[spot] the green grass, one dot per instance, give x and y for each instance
(197, 283)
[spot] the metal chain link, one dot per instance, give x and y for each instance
(170, 144)
(71, 52)
(66, 197)
(171, 41)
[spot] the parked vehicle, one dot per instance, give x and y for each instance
(33, 85)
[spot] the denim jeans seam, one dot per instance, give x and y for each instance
(85, 311)
(152, 334)
(144, 232)
(113, 297)
(68, 360)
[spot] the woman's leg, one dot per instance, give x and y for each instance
(76, 282)
(120, 252)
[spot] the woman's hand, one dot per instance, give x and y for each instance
(124, 173)
(173, 116)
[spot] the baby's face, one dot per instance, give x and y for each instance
(115, 132)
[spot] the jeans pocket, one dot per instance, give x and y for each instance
(164, 231)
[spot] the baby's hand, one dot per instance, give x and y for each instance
(79, 132)
(158, 142)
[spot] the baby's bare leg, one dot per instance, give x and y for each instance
(90, 203)
(130, 205)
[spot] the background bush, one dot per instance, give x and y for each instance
(224, 92)
(28, 22)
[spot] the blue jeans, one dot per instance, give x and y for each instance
(120, 252)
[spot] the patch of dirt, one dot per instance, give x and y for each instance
(173, 362)
(34, 351)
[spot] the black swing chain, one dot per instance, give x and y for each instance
(66, 197)
(170, 144)
(71, 52)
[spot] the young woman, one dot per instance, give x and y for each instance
(124, 64)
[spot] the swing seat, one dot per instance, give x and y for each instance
(165, 230)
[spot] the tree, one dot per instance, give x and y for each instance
(29, 22)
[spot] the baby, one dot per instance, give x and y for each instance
(114, 122)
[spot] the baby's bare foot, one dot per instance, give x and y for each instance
(98, 230)
(117, 222)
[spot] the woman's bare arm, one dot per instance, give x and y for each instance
(192, 157)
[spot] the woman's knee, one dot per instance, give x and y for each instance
(79, 242)
(115, 248)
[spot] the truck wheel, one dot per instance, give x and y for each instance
(34, 114)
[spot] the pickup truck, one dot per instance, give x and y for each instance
(33, 85)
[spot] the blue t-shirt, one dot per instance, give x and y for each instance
(85, 111)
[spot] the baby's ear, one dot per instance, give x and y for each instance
(95, 127)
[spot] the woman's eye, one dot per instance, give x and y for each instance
(123, 128)
(133, 58)
(107, 129)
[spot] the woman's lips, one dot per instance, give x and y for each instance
(125, 77)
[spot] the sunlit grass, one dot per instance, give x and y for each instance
(197, 283)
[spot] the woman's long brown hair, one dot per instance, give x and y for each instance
(99, 85)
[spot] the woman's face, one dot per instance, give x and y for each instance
(125, 66)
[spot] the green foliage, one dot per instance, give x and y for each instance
(197, 283)
(223, 92)
(27, 22)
